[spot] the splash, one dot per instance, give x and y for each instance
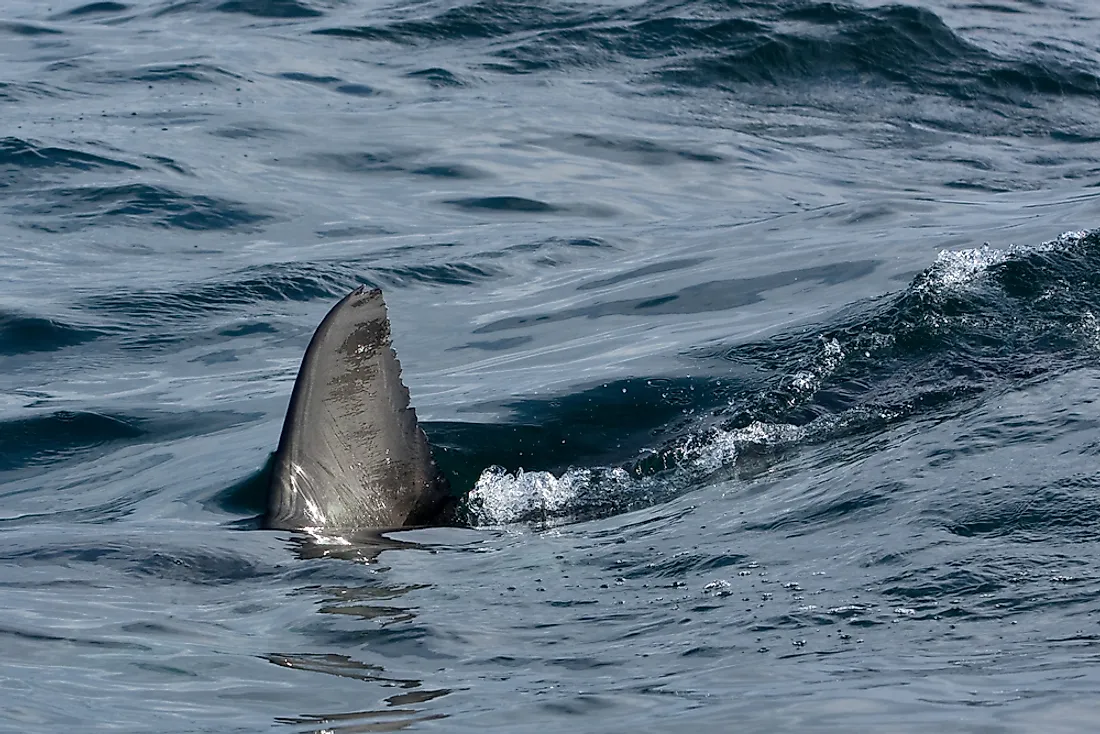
(808, 381)
(957, 269)
(501, 497)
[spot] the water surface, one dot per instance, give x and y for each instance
(761, 338)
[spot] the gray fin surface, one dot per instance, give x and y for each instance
(351, 455)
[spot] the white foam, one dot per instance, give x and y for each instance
(955, 269)
(501, 497)
(1088, 328)
(721, 587)
(808, 381)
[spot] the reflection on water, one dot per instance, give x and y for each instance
(361, 547)
(386, 720)
(358, 602)
(398, 714)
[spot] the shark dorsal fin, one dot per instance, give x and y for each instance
(351, 455)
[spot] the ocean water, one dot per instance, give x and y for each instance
(761, 338)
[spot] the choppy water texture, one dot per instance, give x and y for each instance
(762, 337)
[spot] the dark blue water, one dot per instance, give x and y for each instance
(762, 337)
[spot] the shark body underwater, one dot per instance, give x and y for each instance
(352, 456)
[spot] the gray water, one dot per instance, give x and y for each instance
(760, 337)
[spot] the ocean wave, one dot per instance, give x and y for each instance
(290, 9)
(704, 43)
(270, 283)
(408, 162)
(973, 324)
(191, 307)
(473, 21)
(184, 73)
(28, 29)
(19, 155)
(95, 9)
(42, 439)
(23, 333)
(65, 209)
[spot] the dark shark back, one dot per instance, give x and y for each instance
(351, 455)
